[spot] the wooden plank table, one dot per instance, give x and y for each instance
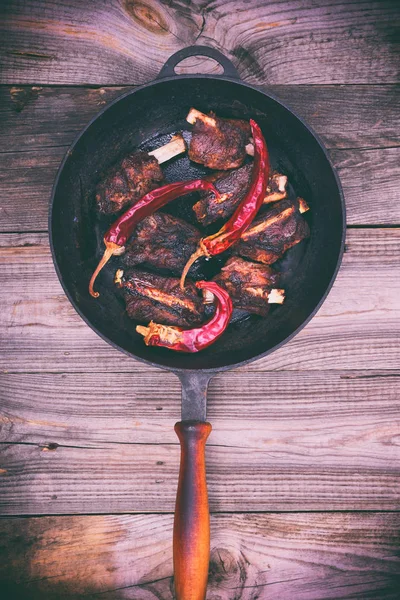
(303, 460)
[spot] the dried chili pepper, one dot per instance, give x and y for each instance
(119, 232)
(245, 212)
(192, 340)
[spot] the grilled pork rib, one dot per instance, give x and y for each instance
(135, 176)
(235, 184)
(161, 241)
(250, 285)
(128, 181)
(274, 232)
(153, 297)
(218, 143)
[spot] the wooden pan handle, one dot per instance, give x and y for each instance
(192, 519)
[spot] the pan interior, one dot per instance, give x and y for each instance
(146, 119)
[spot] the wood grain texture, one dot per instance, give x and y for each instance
(280, 441)
(75, 409)
(307, 557)
(128, 42)
(370, 180)
(352, 116)
(356, 328)
(84, 428)
(26, 179)
(40, 124)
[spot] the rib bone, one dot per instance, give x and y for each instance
(175, 146)
(194, 114)
(281, 194)
(256, 229)
(303, 206)
(250, 148)
(276, 296)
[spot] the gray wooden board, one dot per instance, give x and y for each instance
(370, 180)
(302, 556)
(87, 409)
(351, 116)
(280, 441)
(356, 328)
(108, 42)
(312, 427)
(35, 139)
(274, 476)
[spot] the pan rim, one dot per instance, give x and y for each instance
(213, 370)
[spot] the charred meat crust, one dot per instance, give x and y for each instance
(222, 146)
(248, 284)
(273, 233)
(126, 182)
(235, 183)
(162, 242)
(153, 297)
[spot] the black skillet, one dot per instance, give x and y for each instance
(145, 118)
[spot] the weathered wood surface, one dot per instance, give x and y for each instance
(356, 328)
(280, 441)
(360, 125)
(283, 43)
(313, 426)
(306, 557)
(352, 116)
(90, 408)
(370, 180)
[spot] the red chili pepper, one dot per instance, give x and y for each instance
(119, 232)
(192, 340)
(245, 212)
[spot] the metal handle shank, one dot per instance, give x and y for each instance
(192, 518)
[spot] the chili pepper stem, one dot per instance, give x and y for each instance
(168, 334)
(144, 331)
(201, 251)
(192, 340)
(111, 250)
(118, 234)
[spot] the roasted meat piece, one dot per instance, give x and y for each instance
(274, 232)
(162, 242)
(251, 286)
(235, 184)
(218, 143)
(136, 175)
(154, 297)
(126, 182)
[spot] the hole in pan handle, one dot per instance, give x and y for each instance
(168, 70)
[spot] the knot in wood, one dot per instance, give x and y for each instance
(147, 16)
(225, 567)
